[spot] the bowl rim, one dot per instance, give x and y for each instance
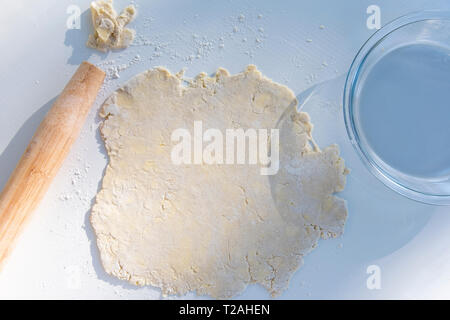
(350, 82)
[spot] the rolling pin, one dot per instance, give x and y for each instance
(45, 154)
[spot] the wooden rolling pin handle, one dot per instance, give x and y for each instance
(45, 154)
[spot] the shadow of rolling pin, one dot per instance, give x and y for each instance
(45, 154)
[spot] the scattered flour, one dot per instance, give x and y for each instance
(245, 32)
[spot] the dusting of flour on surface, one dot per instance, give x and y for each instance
(211, 229)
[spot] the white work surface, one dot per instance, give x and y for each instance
(56, 257)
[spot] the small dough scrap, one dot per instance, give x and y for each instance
(110, 32)
(211, 229)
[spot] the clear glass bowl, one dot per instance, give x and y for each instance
(397, 105)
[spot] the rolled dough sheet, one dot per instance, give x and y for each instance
(211, 229)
